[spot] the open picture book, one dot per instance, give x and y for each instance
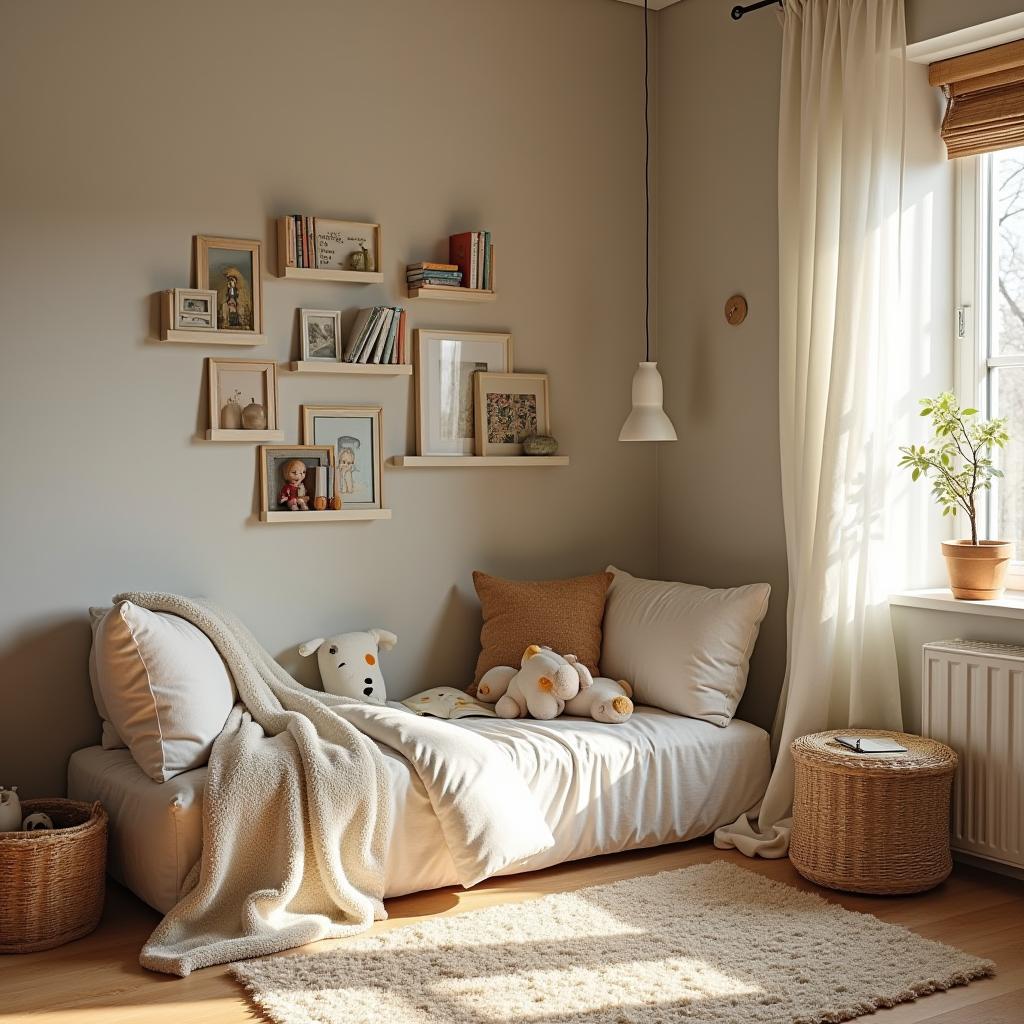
(448, 702)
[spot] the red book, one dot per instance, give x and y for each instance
(398, 354)
(462, 252)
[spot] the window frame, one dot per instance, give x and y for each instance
(972, 359)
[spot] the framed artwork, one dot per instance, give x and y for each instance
(346, 245)
(354, 434)
(293, 477)
(195, 309)
(233, 268)
(320, 335)
(446, 362)
(243, 394)
(509, 408)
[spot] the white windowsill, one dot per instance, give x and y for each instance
(1009, 606)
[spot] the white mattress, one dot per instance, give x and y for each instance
(658, 778)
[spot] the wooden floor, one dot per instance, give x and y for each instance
(97, 980)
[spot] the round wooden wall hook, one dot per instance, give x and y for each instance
(735, 310)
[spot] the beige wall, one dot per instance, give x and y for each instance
(129, 126)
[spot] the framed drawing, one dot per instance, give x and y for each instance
(320, 335)
(445, 364)
(294, 478)
(346, 245)
(195, 310)
(354, 434)
(233, 268)
(243, 394)
(509, 408)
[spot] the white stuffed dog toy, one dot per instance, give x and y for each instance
(350, 663)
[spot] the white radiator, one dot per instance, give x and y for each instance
(973, 700)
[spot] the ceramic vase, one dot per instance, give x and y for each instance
(231, 415)
(254, 416)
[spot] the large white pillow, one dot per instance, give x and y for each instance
(163, 687)
(685, 649)
(110, 739)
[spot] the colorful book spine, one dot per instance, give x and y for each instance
(488, 252)
(297, 236)
(462, 252)
(400, 348)
(413, 267)
(311, 241)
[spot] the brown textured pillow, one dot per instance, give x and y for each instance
(562, 614)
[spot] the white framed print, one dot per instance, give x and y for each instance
(446, 363)
(195, 309)
(354, 433)
(510, 407)
(320, 335)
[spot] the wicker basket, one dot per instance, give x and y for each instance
(52, 883)
(874, 823)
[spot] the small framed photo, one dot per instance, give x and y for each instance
(293, 477)
(445, 362)
(243, 394)
(346, 245)
(195, 309)
(233, 269)
(354, 434)
(320, 335)
(509, 408)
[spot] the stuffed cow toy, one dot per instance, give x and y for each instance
(350, 663)
(539, 688)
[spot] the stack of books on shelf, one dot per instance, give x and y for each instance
(378, 336)
(433, 275)
(473, 255)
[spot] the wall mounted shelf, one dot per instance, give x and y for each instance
(343, 515)
(443, 294)
(244, 436)
(313, 273)
(477, 461)
(169, 334)
(366, 369)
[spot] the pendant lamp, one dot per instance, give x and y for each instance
(647, 421)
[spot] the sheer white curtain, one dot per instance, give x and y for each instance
(841, 138)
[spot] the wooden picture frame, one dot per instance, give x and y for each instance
(272, 458)
(311, 321)
(195, 309)
(233, 268)
(223, 375)
(508, 408)
(444, 364)
(355, 434)
(340, 244)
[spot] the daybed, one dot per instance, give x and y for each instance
(658, 778)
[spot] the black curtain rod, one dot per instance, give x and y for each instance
(737, 12)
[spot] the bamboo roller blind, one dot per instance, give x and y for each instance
(984, 99)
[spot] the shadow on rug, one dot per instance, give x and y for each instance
(711, 943)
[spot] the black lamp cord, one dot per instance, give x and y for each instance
(647, 199)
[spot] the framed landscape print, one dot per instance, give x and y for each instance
(292, 477)
(320, 335)
(509, 408)
(233, 268)
(446, 362)
(346, 245)
(243, 394)
(195, 310)
(354, 434)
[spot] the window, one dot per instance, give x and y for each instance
(990, 324)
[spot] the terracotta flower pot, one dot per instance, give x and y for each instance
(977, 572)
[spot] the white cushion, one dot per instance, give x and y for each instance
(163, 686)
(110, 739)
(683, 648)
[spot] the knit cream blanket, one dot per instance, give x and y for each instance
(297, 810)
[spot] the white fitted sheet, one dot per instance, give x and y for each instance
(658, 778)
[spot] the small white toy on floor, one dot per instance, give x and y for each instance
(350, 663)
(10, 810)
(36, 822)
(538, 688)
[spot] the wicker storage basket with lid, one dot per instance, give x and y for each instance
(872, 823)
(52, 884)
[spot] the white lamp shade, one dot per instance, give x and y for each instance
(647, 421)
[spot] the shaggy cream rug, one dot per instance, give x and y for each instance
(711, 943)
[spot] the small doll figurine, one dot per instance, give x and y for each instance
(293, 490)
(346, 466)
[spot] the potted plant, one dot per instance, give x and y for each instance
(958, 462)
